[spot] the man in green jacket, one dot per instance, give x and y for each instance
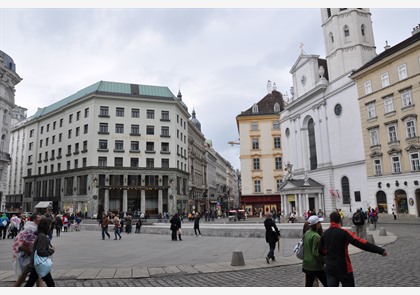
(313, 260)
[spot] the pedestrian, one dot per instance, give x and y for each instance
(4, 224)
(43, 247)
(341, 216)
(14, 225)
(138, 226)
(394, 212)
(313, 260)
(117, 225)
(128, 226)
(306, 227)
(104, 225)
(334, 245)
(373, 217)
(65, 223)
(175, 226)
(197, 224)
(359, 223)
(272, 236)
(58, 225)
(22, 249)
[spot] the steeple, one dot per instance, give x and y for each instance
(194, 121)
(348, 39)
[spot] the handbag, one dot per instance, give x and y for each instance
(298, 250)
(42, 264)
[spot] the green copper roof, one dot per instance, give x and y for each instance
(110, 87)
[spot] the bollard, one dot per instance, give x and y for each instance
(369, 238)
(237, 259)
(382, 231)
(353, 228)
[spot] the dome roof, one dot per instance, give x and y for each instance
(195, 122)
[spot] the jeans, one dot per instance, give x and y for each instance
(347, 280)
(105, 231)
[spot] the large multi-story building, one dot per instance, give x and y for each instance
(321, 131)
(261, 153)
(110, 146)
(8, 80)
(389, 100)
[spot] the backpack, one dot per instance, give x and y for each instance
(357, 219)
(298, 250)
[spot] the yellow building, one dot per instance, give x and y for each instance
(260, 154)
(389, 98)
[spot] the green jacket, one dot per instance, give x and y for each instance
(313, 260)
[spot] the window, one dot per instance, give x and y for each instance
(135, 113)
(61, 122)
(150, 146)
(396, 165)
(255, 143)
(119, 146)
(48, 127)
(150, 114)
(371, 110)
(313, 159)
(164, 147)
(385, 80)
(78, 116)
(362, 30)
(60, 137)
(119, 128)
(345, 188)
(135, 130)
(86, 112)
(406, 98)
(102, 161)
(70, 131)
(278, 184)
(68, 150)
(134, 162)
(103, 111)
(278, 164)
(76, 148)
(54, 124)
(103, 144)
(165, 131)
(388, 104)
(392, 133)
(346, 31)
(103, 127)
(276, 125)
(256, 163)
(377, 167)
(402, 72)
(42, 129)
(76, 163)
(165, 116)
(415, 161)
(85, 145)
(134, 146)
(31, 146)
(85, 129)
(277, 142)
(70, 118)
(374, 137)
(150, 130)
(77, 131)
(368, 87)
(255, 109)
(84, 162)
(257, 186)
(150, 162)
(53, 139)
(119, 112)
(165, 163)
(118, 162)
(411, 128)
(254, 126)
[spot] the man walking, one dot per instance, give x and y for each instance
(104, 226)
(359, 222)
(272, 235)
(334, 245)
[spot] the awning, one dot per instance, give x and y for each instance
(44, 204)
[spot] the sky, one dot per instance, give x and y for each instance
(220, 58)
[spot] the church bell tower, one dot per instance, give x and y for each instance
(348, 39)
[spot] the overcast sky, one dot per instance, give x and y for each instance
(219, 58)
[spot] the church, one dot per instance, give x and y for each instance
(321, 131)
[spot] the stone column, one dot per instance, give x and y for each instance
(143, 201)
(160, 203)
(125, 200)
(106, 201)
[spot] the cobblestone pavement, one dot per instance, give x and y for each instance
(401, 268)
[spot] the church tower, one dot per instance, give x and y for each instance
(348, 38)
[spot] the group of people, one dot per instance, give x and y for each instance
(119, 223)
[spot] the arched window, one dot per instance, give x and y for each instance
(346, 31)
(255, 109)
(312, 145)
(345, 188)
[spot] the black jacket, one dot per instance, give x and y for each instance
(334, 245)
(197, 221)
(175, 222)
(42, 246)
(271, 231)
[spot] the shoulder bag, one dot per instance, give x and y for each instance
(42, 264)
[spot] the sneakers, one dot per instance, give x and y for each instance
(273, 259)
(200, 235)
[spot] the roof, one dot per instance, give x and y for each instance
(266, 105)
(388, 52)
(105, 87)
(46, 204)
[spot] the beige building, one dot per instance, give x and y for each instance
(261, 154)
(389, 98)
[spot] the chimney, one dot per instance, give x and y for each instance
(268, 86)
(386, 45)
(416, 30)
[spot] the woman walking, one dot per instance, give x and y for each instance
(197, 224)
(175, 226)
(43, 248)
(117, 227)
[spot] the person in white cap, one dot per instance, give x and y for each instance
(313, 260)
